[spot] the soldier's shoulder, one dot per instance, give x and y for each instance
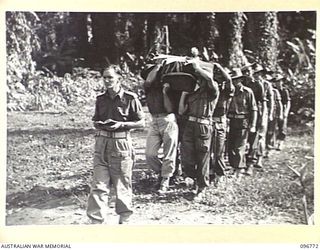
(101, 95)
(130, 94)
(247, 89)
(267, 83)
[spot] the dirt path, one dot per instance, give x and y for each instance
(49, 171)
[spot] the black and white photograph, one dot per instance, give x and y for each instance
(160, 118)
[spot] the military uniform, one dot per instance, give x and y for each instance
(272, 125)
(220, 129)
(196, 141)
(262, 129)
(253, 138)
(285, 99)
(242, 106)
(113, 154)
(164, 131)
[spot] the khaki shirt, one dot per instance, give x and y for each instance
(277, 103)
(154, 98)
(202, 102)
(124, 107)
(243, 102)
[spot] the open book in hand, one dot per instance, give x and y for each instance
(108, 122)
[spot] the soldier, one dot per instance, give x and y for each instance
(286, 104)
(163, 129)
(198, 106)
(179, 82)
(116, 112)
(277, 115)
(219, 119)
(243, 117)
(259, 73)
(253, 139)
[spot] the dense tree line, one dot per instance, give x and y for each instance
(57, 42)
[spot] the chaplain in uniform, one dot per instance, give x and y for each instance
(116, 112)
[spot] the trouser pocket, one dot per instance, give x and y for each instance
(204, 137)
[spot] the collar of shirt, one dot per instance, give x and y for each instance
(120, 94)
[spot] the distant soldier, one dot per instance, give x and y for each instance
(277, 115)
(243, 118)
(262, 124)
(198, 106)
(286, 104)
(116, 112)
(253, 139)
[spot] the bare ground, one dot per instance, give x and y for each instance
(49, 169)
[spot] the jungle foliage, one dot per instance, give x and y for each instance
(46, 48)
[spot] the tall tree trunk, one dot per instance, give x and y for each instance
(104, 38)
(267, 45)
(251, 37)
(224, 39)
(140, 36)
(236, 55)
(80, 31)
(197, 29)
(212, 33)
(154, 31)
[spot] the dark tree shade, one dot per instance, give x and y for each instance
(104, 39)
(139, 35)
(212, 33)
(80, 32)
(223, 41)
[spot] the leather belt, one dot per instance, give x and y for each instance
(219, 118)
(205, 121)
(115, 135)
(238, 116)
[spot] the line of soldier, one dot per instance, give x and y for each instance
(194, 122)
(245, 105)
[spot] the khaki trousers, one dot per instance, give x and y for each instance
(113, 162)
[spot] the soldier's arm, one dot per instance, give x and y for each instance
(287, 109)
(122, 124)
(152, 76)
(97, 123)
(134, 124)
(287, 106)
(263, 98)
(280, 110)
(271, 101)
(166, 101)
(182, 103)
(280, 105)
(205, 75)
(228, 82)
(137, 117)
(253, 121)
(253, 112)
